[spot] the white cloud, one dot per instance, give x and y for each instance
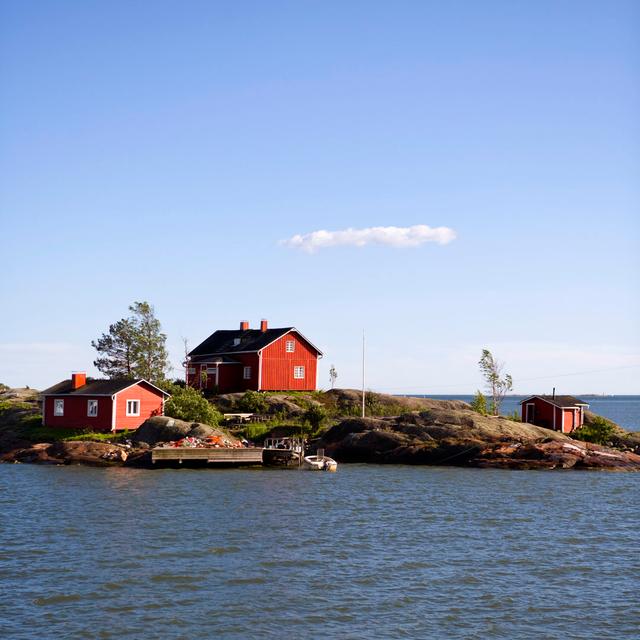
(396, 237)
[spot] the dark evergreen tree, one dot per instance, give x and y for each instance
(134, 347)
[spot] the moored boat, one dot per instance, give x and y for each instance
(320, 462)
(282, 452)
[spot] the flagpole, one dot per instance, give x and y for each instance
(363, 373)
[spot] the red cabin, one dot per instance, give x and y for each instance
(560, 413)
(254, 359)
(101, 405)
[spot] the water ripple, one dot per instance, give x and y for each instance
(369, 552)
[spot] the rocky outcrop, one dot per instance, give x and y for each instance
(164, 429)
(100, 454)
(556, 455)
(458, 436)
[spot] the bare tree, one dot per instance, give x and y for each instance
(333, 375)
(497, 385)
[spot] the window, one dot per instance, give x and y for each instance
(236, 342)
(291, 346)
(298, 373)
(133, 407)
(246, 373)
(212, 369)
(58, 407)
(92, 408)
(191, 371)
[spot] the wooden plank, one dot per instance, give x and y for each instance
(211, 455)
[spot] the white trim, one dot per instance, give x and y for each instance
(526, 412)
(114, 408)
(89, 414)
(131, 414)
(260, 370)
(296, 370)
(562, 425)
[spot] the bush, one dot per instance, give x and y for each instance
(4, 387)
(190, 405)
(315, 415)
(598, 431)
(479, 404)
(514, 417)
(253, 402)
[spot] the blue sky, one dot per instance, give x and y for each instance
(162, 151)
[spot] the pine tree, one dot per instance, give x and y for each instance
(118, 348)
(151, 361)
(134, 347)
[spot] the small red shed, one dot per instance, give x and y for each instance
(254, 359)
(101, 405)
(560, 413)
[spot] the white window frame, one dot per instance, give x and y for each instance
(58, 407)
(191, 371)
(92, 403)
(246, 373)
(298, 372)
(137, 411)
(290, 346)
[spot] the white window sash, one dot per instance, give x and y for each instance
(58, 407)
(92, 408)
(290, 347)
(298, 373)
(246, 373)
(130, 405)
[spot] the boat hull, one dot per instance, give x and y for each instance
(314, 463)
(280, 458)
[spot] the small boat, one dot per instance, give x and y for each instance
(320, 462)
(282, 452)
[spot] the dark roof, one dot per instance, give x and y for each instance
(560, 401)
(250, 340)
(92, 388)
(217, 359)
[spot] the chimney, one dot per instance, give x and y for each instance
(554, 393)
(263, 325)
(244, 326)
(78, 379)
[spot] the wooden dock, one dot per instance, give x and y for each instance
(212, 455)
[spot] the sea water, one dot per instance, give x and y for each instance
(623, 410)
(367, 552)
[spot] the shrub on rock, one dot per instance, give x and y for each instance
(189, 404)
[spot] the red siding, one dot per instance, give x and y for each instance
(278, 365)
(571, 420)
(151, 404)
(544, 412)
(75, 413)
(247, 360)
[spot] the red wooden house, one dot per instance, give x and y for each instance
(560, 413)
(254, 359)
(101, 405)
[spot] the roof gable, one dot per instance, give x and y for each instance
(96, 387)
(559, 401)
(224, 341)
